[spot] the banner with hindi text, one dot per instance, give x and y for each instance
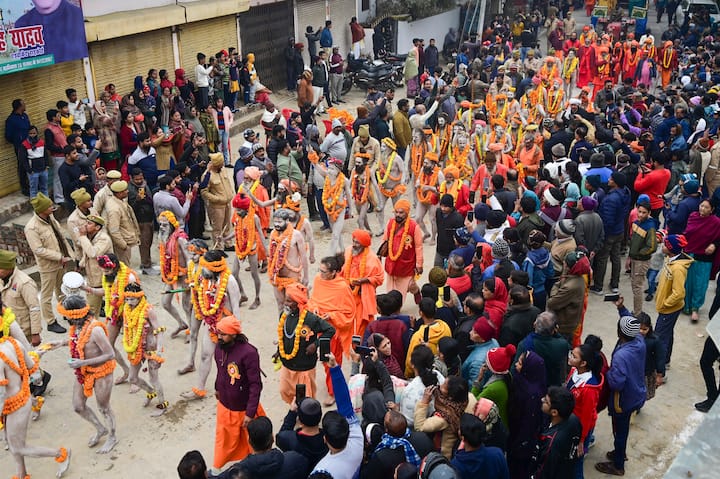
(38, 33)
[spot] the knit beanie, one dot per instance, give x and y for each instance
(619, 179)
(496, 218)
(437, 276)
(629, 326)
(500, 249)
(483, 329)
(553, 196)
(588, 203)
(675, 243)
(594, 181)
(536, 239)
(481, 211)
(691, 187)
(564, 228)
(499, 359)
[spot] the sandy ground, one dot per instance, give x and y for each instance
(152, 447)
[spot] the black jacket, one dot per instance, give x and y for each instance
(517, 323)
(461, 334)
(557, 450)
(383, 463)
(273, 464)
(312, 448)
(446, 226)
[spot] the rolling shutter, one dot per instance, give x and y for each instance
(209, 37)
(341, 11)
(309, 13)
(119, 60)
(264, 31)
(41, 88)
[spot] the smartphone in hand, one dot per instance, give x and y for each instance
(324, 347)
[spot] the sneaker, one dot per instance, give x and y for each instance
(56, 328)
(705, 405)
(596, 290)
(614, 290)
(150, 272)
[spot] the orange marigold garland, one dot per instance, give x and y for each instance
(417, 154)
(208, 311)
(17, 401)
(245, 235)
(360, 186)
(361, 269)
(135, 330)
(426, 197)
(63, 456)
(403, 240)
(86, 375)
(277, 257)
(331, 197)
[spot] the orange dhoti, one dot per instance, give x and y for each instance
(231, 438)
(289, 379)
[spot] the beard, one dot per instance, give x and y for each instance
(225, 345)
(357, 251)
(164, 234)
(280, 228)
(428, 169)
(209, 275)
(359, 168)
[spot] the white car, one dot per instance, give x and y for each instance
(697, 6)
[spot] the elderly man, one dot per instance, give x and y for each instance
(52, 253)
(363, 271)
(217, 191)
(548, 343)
(121, 222)
(93, 241)
(249, 243)
(403, 249)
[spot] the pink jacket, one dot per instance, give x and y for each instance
(227, 116)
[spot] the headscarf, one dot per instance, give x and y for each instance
(180, 77)
(298, 293)
(572, 194)
(98, 111)
(252, 172)
(403, 204)
(363, 237)
(450, 410)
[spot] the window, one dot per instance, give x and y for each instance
(365, 5)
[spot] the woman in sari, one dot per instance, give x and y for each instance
(703, 236)
(107, 134)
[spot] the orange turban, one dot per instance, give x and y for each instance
(252, 172)
(403, 204)
(432, 156)
(362, 237)
(229, 325)
(452, 170)
(289, 185)
(298, 293)
(494, 147)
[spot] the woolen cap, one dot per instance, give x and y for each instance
(499, 359)
(41, 203)
(7, 259)
(80, 196)
(629, 326)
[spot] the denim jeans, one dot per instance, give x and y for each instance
(321, 208)
(38, 183)
(665, 330)
(652, 280)
(579, 472)
(225, 145)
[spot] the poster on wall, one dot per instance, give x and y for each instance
(38, 33)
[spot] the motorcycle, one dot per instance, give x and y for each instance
(364, 73)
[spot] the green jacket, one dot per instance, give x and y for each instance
(643, 242)
(287, 167)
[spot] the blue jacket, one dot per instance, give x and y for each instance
(16, 128)
(539, 268)
(484, 462)
(472, 364)
(613, 210)
(676, 220)
(326, 40)
(662, 132)
(490, 270)
(626, 377)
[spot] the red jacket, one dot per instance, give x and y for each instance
(586, 401)
(653, 184)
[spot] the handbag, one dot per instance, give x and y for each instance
(383, 249)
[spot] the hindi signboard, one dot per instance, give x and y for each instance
(38, 33)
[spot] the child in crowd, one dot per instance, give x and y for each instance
(100, 178)
(654, 356)
(656, 264)
(32, 154)
(89, 135)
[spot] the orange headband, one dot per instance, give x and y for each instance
(73, 313)
(214, 266)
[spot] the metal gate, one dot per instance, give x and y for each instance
(264, 31)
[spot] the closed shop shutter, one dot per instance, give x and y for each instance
(341, 11)
(310, 13)
(119, 60)
(209, 37)
(41, 88)
(264, 31)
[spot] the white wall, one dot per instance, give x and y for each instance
(363, 16)
(432, 27)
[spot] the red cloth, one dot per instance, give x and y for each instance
(461, 285)
(394, 330)
(406, 263)
(497, 306)
(653, 184)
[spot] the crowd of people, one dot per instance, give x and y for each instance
(523, 177)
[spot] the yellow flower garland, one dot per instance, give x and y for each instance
(116, 288)
(133, 325)
(281, 337)
(8, 317)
